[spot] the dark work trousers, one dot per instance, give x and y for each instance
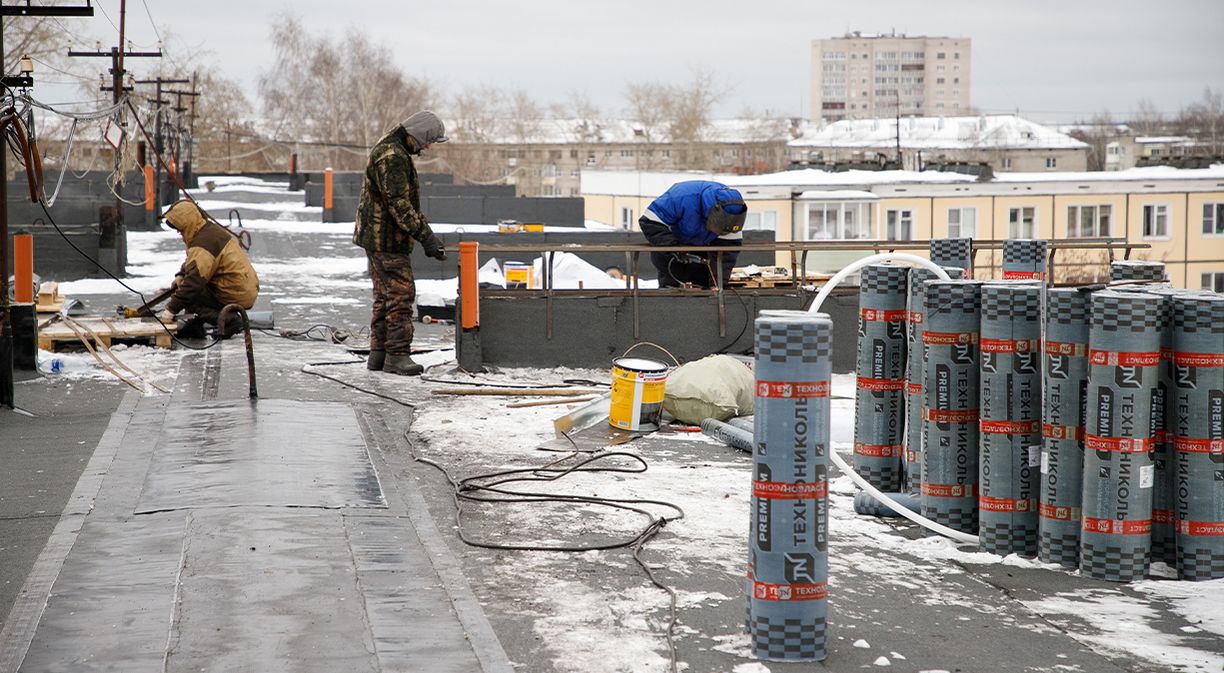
(673, 273)
(394, 295)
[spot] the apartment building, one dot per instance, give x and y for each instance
(1179, 213)
(861, 76)
(1005, 142)
(546, 157)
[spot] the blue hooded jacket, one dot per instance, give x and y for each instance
(685, 206)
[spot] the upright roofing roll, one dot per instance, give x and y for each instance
(1062, 459)
(1010, 402)
(788, 565)
(879, 419)
(1024, 259)
(1124, 368)
(1164, 462)
(913, 373)
(953, 252)
(950, 417)
(1197, 425)
(1136, 269)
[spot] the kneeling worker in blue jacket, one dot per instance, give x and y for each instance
(695, 212)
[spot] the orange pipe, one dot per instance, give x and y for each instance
(23, 268)
(327, 188)
(292, 163)
(148, 177)
(469, 290)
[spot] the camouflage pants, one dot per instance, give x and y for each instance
(394, 295)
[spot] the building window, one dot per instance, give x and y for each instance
(836, 220)
(962, 222)
(1007, 164)
(1051, 162)
(761, 220)
(939, 80)
(1155, 221)
(626, 218)
(626, 153)
(1213, 219)
(1088, 221)
(898, 225)
(666, 154)
(939, 55)
(1021, 222)
(956, 55)
(1213, 281)
(574, 172)
(573, 154)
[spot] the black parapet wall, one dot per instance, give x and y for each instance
(482, 209)
(349, 184)
(78, 200)
(591, 331)
(426, 267)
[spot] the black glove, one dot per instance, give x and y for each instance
(433, 247)
(687, 258)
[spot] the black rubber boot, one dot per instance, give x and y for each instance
(402, 365)
(374, 362)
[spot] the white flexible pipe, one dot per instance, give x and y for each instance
(873, 259)
(837, 460)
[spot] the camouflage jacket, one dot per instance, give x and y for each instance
(389, 210)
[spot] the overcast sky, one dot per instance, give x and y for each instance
(1053, 60)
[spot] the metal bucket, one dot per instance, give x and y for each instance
(637, 393)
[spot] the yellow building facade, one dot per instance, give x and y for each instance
(1178, 213)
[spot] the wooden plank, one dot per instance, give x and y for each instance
(106, 331)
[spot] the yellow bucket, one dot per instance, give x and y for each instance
(518, 275)
(534, 226)
(637, 393)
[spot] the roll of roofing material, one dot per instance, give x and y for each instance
(1009, 408)
(788, 564)
(1062, 459)
(950, 417)
(913, 372)
(865, 504)
(1124, 368)
(1136, 269)
(1197, 426)
(728, 434)
(954, 252)
(1024, 259)
(879, 418)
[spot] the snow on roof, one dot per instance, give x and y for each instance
(639, 183)
(812, 177)
(950, 133)
(1163, 140)
(611, 131)
(837, 195)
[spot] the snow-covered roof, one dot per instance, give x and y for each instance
(812, 177)
(1164, 140)
(837, 195)
(612, 131)
(947, 133)
(639, 183)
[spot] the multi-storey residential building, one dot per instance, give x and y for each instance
(1005, 142)
(1179, 213)
(860, 75)
(546, 157)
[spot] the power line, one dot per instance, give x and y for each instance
(151, 22)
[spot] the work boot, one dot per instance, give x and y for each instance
(374, 362)
(402, 365)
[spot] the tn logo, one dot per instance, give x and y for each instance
(800, 568)
(1128, 377)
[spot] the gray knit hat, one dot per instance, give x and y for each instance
(426, 128)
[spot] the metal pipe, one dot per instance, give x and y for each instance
(469, 286)
(222, 321)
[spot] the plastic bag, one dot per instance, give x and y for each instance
(716, 386)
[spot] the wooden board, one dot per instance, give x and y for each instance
(49, 299)
(106, 330)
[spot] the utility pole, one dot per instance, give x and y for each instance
(180, 109)
(112, 230)
(6, 325)
(159, 146)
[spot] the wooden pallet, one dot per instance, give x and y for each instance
(56, 333)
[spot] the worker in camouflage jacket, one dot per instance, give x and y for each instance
(216, 272)
(389, 218)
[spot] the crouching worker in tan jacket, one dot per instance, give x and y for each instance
(215, 273)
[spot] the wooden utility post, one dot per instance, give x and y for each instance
(183, 169)
(6, 326)
(113, 233)
(159, 143)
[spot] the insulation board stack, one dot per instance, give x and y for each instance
(1136, 270)
(913, 372)
(1124, 366)
(879, 419)
(1197, 426)
(950, 416)
(1024, 259)
(1010, 402)
(1062, 430)
(788, 564)
(953, 252)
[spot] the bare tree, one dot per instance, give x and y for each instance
(1147, 119)
(648, 103)
(1203, 120)
(1097, 133)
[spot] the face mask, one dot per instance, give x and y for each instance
(721, 222)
